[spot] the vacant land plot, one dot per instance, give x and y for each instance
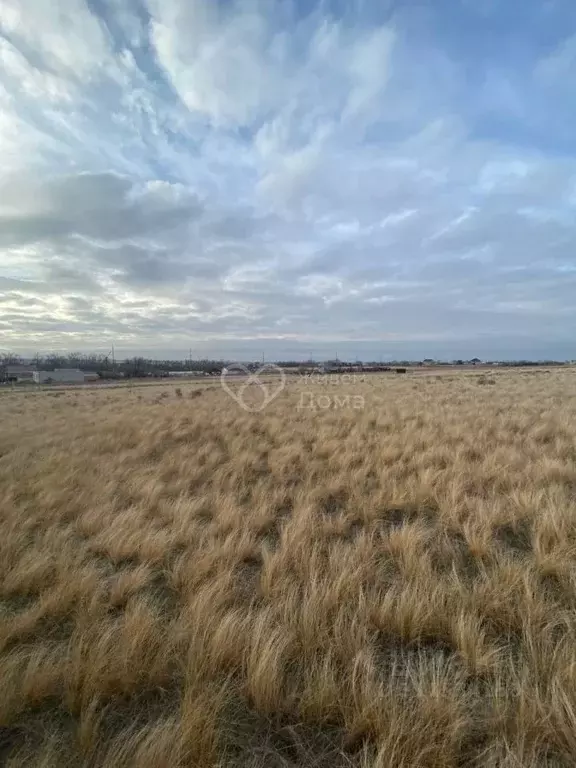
(384, 579)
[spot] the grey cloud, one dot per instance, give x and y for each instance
(101, 206)
(61, 277)
(139, 266)
(22, 300)
(79, 303)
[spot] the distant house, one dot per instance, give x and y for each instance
(59, 375)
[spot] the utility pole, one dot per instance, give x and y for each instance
(190, 357)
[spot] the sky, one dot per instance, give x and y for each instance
(368, 178)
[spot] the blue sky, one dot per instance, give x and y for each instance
(378, 179)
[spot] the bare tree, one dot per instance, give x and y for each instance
(8, 358)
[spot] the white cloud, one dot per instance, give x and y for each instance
(65, 37)
(369, 64)
(216, 62)
(560, 64)
(34, 83)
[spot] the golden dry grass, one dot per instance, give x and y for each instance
(188, 584)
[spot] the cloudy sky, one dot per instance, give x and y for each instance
(372, 178)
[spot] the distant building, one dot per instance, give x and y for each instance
(60, 375)
(185, 373)
(19, 373)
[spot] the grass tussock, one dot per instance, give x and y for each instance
(184, 583)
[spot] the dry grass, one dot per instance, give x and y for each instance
(188, 584)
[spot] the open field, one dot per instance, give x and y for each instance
(379, 581)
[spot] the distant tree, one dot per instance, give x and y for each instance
(74, 360)
(92, 362)
(136, 366)
(55, 361)
(8, 358)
